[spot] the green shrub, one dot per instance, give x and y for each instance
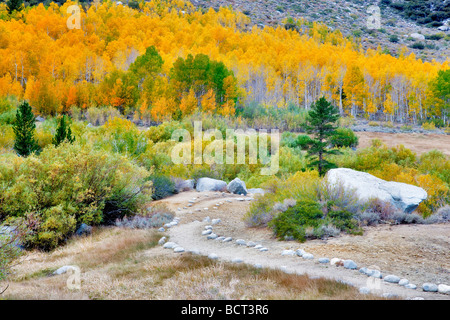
(162, 186)
(344, 138)
(292, 223)
(302, 141)
(306, 219)
(66, 186)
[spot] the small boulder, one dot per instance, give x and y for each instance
(308, 256)
(392, 279)
(324, 260)
(350, 264)
(288, 253)
(444, 289)
(208, 184)
(237, 186)
(241, 242)
(417, 36)
(83, 230)
(430, 287)
(213, 256)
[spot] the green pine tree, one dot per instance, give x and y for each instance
(24, 129)
(14, 5)
(321, 124)
(63, 132)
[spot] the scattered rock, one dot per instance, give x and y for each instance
(83, 230)
(241, 242)
(258, 246)
(350, 264)
(178, 249)
(337, 262)
(161, 229)
(63, 270)
(251, 244)
(308, 256)
(417, 36)
(162, 241)
(206, 232)
(213, 256)
(215, 221)
(221, 238)
(227, 239)
(237, 260)
(392, 279)
(263, 249)
(324, 260)
(207, 220)
(430, 287)
(403, 282)
(169, 245)
(256, 191)
(237, 186)
(212, 236)
(288, 253)
(364, 290)
(411, 286)
(257, 266)
(208, 227)
(443, 288)
(300, 252)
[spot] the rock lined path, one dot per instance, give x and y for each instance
(212, 226)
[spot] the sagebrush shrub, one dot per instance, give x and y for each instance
(69, 185)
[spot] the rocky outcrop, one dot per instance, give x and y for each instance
(404, 196)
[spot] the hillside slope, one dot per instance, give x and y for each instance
(350, 17)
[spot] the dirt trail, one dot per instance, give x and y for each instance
(419, 253)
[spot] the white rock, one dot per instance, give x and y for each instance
(350, 264)
(404, 196)
(403, 282)
(258, 246)
(162, 241)
(364, 290)
(241, 242)
(215, 221)
(263, 249)
(64, 269)
(288, 253)
(237, 260)
(178, 249)
(207, 220)
(257, 266)
(213, 256)
(212, 236)
(429, 287)
(324, 260)
(443, 288)
(206, 232)
(392, 278)
(308, 256)
(411, 286)
(251, 244)
(336, 261)
(417, 36)
(208, 184)
(227, 239)
(170, 245)
(300, 252)
(208, 227)
(221, 238)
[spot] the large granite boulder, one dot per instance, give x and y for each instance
(404, 196)
(237, 186)
(208, 184)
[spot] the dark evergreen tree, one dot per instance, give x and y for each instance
(24, 128)
(321, 124)
(63, 132)
(14, 5)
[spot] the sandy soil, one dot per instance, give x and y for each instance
(419, 253)
(417, 142)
